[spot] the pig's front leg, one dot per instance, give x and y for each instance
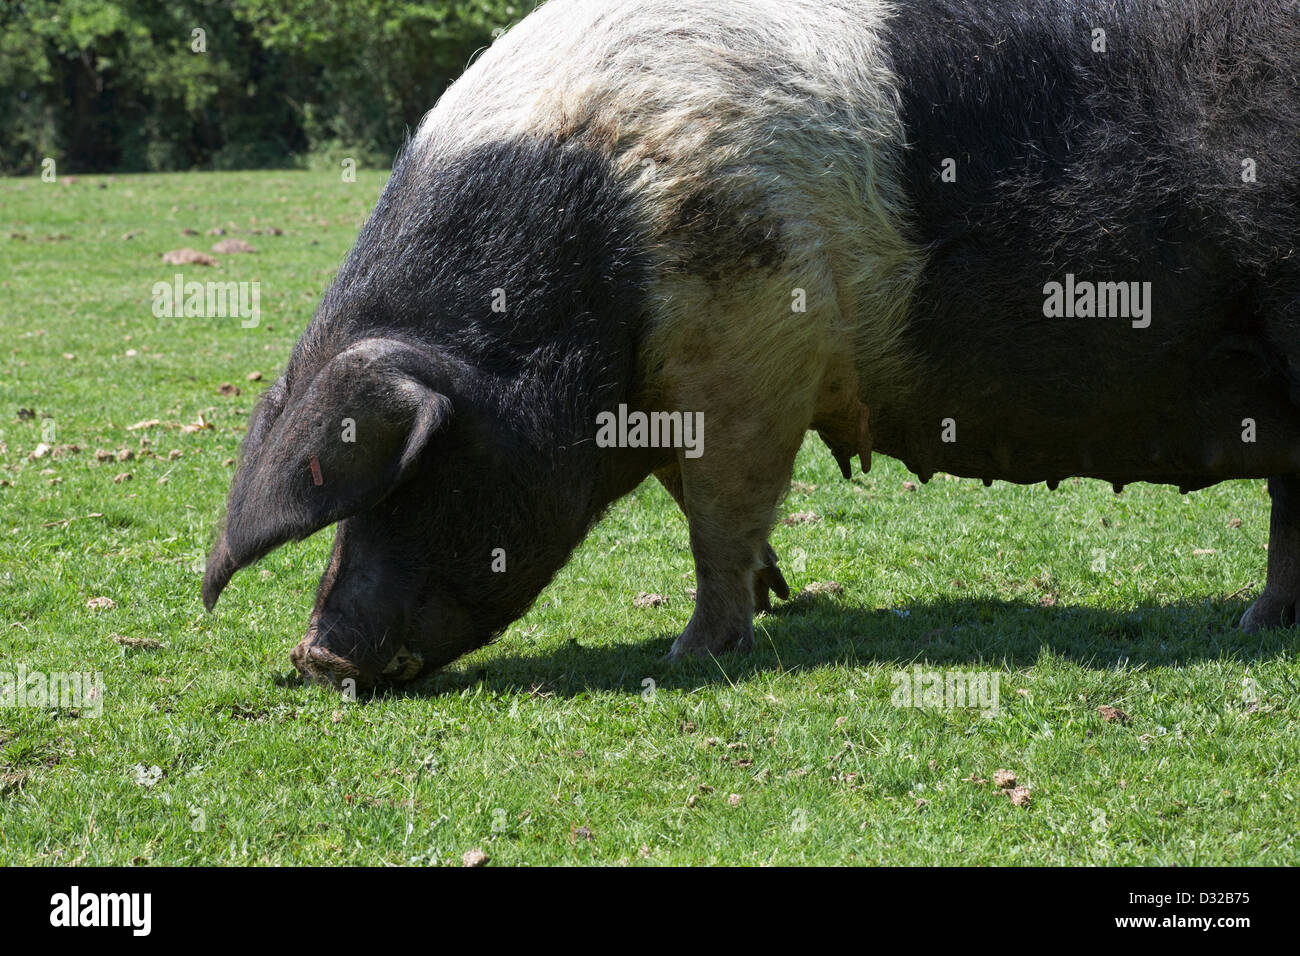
(730, 496)
(1276, 606)
(768, 580)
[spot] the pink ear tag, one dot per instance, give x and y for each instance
(315, 472)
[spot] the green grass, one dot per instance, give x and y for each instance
(550, 747)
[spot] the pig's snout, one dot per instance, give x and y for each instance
(352, 661)
(362, 650)
(349, 664)
(322, 665)
(338, 655)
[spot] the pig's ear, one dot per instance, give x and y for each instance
(337, 445)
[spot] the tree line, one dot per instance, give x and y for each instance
(152, 85)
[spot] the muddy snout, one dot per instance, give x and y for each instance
(348, 659)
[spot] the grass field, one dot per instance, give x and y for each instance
(571, 740)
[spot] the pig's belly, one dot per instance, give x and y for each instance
(1177, 415)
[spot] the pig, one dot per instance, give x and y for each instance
(1019, 240)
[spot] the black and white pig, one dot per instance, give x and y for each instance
(1008, 239)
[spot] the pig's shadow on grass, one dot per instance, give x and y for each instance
(829, 632)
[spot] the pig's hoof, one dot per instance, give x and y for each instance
(697, 641)
(1269, 610)
(769, 580)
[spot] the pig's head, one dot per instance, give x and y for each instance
(450, 438)
(448, 525)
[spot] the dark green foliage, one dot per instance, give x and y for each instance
(118, 85)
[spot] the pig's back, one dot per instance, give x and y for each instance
(774, 148)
